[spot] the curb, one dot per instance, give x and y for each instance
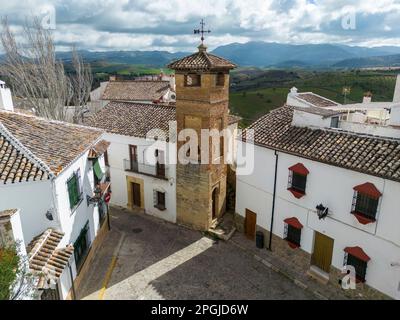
(271, 266)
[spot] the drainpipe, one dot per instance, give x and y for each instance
(273, 202)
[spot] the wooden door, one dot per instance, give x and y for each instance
(250, 224)
(136, 194)
(214, 206)
(322, 254)
(133, 157)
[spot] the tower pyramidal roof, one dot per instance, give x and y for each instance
(202, 61)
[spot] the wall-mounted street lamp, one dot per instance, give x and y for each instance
(96, 198)
(322, 211)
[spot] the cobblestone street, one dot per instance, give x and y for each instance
(145, 258)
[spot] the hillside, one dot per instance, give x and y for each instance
(380, 61)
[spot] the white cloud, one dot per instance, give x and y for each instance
(168, 24)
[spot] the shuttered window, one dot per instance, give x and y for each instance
(97, 170)
(359, 265)
(74, 192)
(159, 200)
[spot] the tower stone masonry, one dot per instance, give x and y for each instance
(202, 97)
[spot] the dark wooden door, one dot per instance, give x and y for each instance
(133, 157)
(136, 194)
(214, 200)
(322, 254)
(250, 224)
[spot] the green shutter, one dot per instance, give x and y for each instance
(73, 192)
(97, 170)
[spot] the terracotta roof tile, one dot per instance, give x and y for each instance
(316, 100)
(135, 90)
(135, 119)
(45, 258)
(55, 143)
(371, 155)
(15, 166)
(201, 60)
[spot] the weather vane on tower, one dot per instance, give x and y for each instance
(201, 30)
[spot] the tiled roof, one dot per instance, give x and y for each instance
(319, 111)
(55, 143)
(371, 155)
(132, 119)
(15, 166)
(135, 119)
(316, 100)
(45, 258)
(201, 61)
(135, 90)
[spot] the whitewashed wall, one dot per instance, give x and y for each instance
(33, 199)
(73, 221)
(333, 187)
(117, 152)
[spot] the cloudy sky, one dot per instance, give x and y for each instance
(168, 24)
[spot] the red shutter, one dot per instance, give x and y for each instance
(358, 253)
(300, 169)
(368, 189)
(294, 222)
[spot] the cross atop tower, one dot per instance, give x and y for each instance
(201, 30)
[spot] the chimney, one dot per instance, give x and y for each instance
(11, 229)
(6, 102)
(396, 96)
(172, 82)
(367, 97)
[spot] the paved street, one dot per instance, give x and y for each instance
(145, 258)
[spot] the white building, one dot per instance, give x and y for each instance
(48, 172)
(327, 178)
(143, 174)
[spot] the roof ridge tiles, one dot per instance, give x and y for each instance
(24, 150)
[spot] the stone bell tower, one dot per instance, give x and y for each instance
(202, 96)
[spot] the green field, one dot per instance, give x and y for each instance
(256, 92)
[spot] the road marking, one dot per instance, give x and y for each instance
(111, 267)
(107, 277)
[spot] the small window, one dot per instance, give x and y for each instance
(293, 232)
(293, 235)
(220, 79)
(297, 180)
(359, 265)
(74, 191)
(159, 200)
(335, 122)
(106, 159)
(366, 206)
(98, 172)
(192, 80)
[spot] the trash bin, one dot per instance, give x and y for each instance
(260, 239)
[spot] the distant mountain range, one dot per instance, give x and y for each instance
(263, 54)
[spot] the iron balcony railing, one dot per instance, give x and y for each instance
(158, 170)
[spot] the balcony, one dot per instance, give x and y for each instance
(159, 171)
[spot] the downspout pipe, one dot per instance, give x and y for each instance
(273, 202)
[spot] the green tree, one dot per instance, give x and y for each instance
(9, 261)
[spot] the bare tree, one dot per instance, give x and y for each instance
(81, 80)
(39, 78)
